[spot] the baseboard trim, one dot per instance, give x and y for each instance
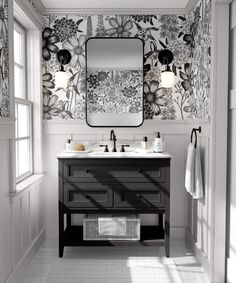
(202, 258)
(12, 278)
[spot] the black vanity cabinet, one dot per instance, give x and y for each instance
(113, 186)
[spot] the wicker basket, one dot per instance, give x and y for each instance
(103, 227)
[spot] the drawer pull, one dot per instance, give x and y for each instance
(86, 196)
(140, 196)
(86, 171)
(140, 171)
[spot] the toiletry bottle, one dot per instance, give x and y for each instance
(72, 144)
(68, 145)
(158, 145)
(144, 143)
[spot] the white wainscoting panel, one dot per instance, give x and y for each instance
(5, 212)
(199, 223)
(27, 219)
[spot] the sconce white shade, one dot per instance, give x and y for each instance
(61, 79)
(167, 79)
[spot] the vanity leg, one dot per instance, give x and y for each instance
(68, 220)
(160, 221)
(167, 227)
(61, 230)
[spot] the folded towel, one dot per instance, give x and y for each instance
(189, 173)
(112, 226)
(193, 173)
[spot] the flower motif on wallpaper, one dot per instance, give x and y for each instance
(53, 64)
(121, 26)
(4, 104)
(3, 17)
(93, 81)
(144, 18)
(154, 96)
(180, 51)
(153, 75)
(169, 27)
(129, 91)
(4, 61)
(186, 77)
(66, 28)
(47, 83)
(49, 43)
(145, 33)
(78, 112)
(76, 46)
(51, 106)
(148, 111)
(190, 38)
(100, 29)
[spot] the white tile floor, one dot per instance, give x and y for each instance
(120, 264)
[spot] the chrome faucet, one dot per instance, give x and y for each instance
(113, 138)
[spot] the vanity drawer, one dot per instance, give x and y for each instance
(88, 195)
(139, 173)
(113, 171)
(139, 196)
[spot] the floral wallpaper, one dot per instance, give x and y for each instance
(200, 41)
(4, 64)
(187, 36)
(114, 91)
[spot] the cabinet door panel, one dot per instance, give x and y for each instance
(139, 196)
(88, 195)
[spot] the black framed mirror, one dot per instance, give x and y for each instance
(114, 82)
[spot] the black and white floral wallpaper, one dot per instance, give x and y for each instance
(4, 62)
(187, 36)
(114, 91)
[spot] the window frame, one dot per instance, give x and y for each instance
(21, 30)
(24, 100)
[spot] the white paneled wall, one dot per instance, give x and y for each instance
(5, 211)
(176, 135)
(21, 217)
(27, 219)
(231, 206)
(199, 223)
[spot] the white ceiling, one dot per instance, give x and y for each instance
(114, 4)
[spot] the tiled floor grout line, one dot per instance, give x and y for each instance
(119, 264)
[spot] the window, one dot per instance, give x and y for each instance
(23, 107)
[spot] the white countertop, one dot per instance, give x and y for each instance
(100, 154)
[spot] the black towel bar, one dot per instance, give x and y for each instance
(195, 130)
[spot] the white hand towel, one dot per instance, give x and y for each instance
(190, 172)
(198, 185)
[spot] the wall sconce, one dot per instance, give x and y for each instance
(62, 77)
(167, 76)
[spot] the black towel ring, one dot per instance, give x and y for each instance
(194, 130)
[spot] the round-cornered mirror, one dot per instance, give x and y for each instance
(114, 82)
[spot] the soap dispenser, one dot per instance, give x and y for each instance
(158, 144)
